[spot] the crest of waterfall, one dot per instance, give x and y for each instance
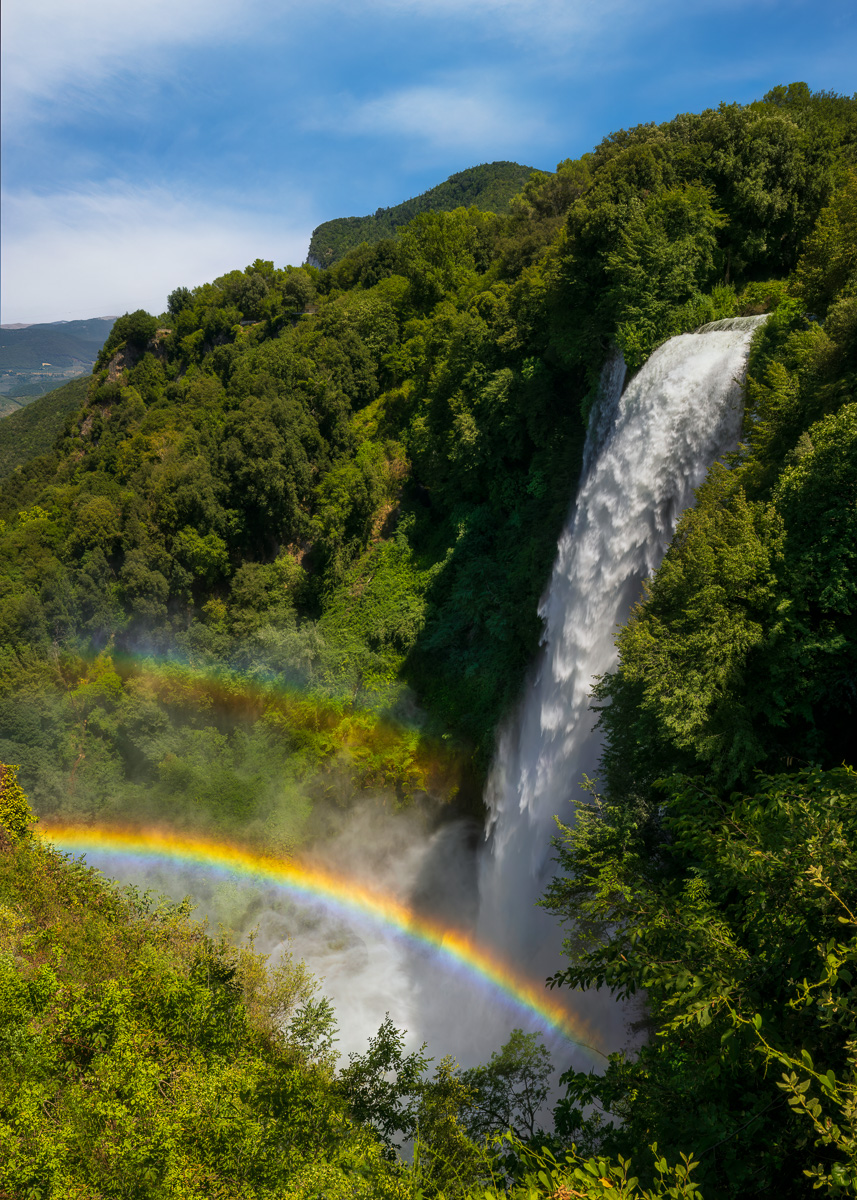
(648, 447)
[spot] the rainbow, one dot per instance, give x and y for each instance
(383, 749)
(311, 884)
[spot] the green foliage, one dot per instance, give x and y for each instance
(143, 1057)
(724, 914)
(662, 265)
(489, 187)
(33, 430)
(109, 739)
(720, 913)
(16, 816)
(140, 1057)
(447, 1163)
(371, 464)
(758, 583)
(382, 1086)
(546, 1175)
(305, 491)
(510, 1090)
(828, 266)
(135, 329)
(438, 250)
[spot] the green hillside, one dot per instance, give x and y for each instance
(489, 187)
(285, 560)
(142, 1057)
(32, 430)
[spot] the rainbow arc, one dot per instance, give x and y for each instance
(348, 897)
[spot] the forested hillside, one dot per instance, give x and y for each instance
(291, 546)
(32, 430)
(143, 1057)
(489, 187)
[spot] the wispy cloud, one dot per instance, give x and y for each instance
(58, 52)
(54, 49)
(120, 248)
(473, 115)
(535, 20)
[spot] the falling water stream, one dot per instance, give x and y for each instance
(649, 446)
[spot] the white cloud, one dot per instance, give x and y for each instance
(53, 47)
(83, 254)
(457, 116)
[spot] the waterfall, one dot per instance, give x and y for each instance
(648, 448)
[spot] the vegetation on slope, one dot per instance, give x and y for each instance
(32, 431)
(488, 187)
(143, 1058)
(354, 480)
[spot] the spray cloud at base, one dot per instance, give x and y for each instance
(371, 919)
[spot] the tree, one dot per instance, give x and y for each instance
(137, 328)
(383, 1085)
(16, 816)
(510, 1091)
(828, 265)
(725, 914)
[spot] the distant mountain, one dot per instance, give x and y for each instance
(35, 359)
(489, 187)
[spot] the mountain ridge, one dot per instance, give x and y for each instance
(487, 186)
(36, 358)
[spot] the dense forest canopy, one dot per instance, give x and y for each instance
(298, 499)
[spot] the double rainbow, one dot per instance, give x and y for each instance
(344, 896)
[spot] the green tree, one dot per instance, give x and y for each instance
(136, 328)
(383, 1085)
(720, 914)
(510, 1090)
(828, 266)
(16, 816)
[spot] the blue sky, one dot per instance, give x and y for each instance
(160, 143)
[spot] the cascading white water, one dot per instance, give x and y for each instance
(648, 448)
